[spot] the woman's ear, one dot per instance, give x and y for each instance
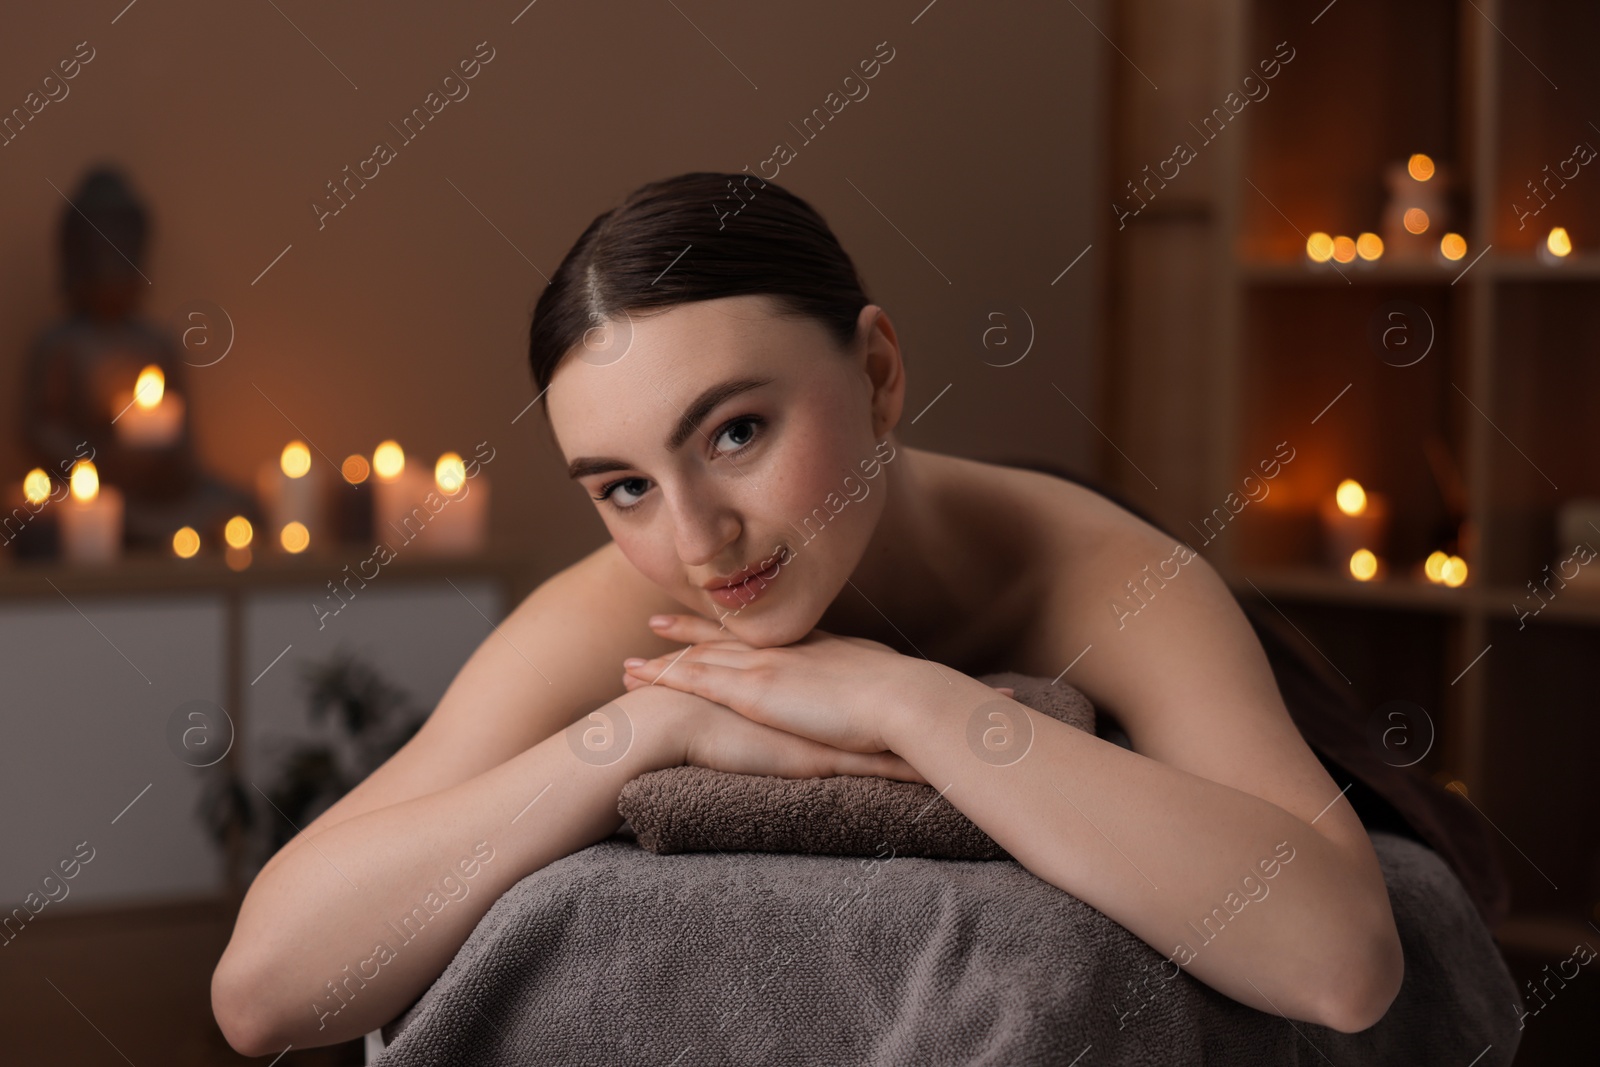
(883, 366)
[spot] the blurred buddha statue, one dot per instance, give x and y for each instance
(83, 375)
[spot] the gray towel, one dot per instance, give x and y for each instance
(619, 957)
(696, 809)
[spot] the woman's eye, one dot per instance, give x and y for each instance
(634, 487)
(740, 432)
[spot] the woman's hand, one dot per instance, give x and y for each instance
(827, 688)
(702, 733)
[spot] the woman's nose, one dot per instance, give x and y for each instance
(703, 527)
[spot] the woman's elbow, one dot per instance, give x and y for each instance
(240, 1003)
(1369, 985)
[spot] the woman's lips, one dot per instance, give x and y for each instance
(745, 592)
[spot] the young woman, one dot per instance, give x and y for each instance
(790, 591)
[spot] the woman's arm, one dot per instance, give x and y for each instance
(1220, 840)
(349, 926)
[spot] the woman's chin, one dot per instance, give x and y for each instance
(770, 630)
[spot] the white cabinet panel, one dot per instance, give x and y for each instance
(89, 691)
(417, 635)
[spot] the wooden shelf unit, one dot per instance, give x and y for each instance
(1510, 389)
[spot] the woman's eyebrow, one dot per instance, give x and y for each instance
(688, 424)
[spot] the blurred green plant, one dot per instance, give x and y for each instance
(372, 717)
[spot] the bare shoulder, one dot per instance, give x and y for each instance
(1156, 639)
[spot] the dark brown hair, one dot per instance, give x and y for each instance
(698, 236)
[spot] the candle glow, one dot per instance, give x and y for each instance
(1344, 249)
(1420, 167)
(294, 537)
(1351, 498)
(238, 532)
(85, 481)
(1319, 246)
(36, 486)
(355, 469)
(1369, 246)
(1433, 566)
(388, 460)
(186, 542)
(296, 459)
(1452, 246)
(450, 474)
(1454, 571)
(1363, 564)
(1416, 220)
(1558, 243)
(150, 387)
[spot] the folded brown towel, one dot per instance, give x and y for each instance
(696, 809)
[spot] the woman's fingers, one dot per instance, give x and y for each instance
(690, 629)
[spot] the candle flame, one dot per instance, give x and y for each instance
(186, 542)
(1363, 564)
(85, 481)
(1344, 249)
(296, 459)
(449, 473)
(1369, 246)
(1319, 246)
(294, 537)
(1454, 571)
(238, 533)
(1452, 246)
(36, 486)
(148, 390)
(1420, 167)
(1433, 566)
(1416, 220)
(1351, 498)
(355, 469)
(1558, 242)
(388, 459)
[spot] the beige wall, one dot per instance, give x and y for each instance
(406, 314)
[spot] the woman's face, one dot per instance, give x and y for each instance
(716, 438)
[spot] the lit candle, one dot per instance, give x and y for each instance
(1319, 247)
(1353, 520)
(399, 512)
(91, 521)
(1557, 247)
(238, 533)
(1416, 207)
(291, 490)
(352, 506)
(1363, 565)
(186, 542)
(461, 522)
(149, 416)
